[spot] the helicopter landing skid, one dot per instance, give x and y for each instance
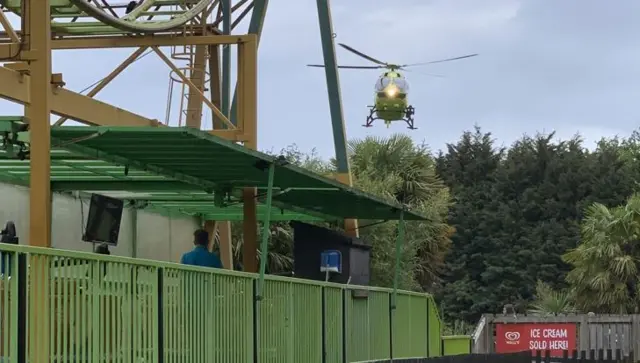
(408, 117)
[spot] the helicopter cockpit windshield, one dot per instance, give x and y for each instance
(382, 83)
(400, 83)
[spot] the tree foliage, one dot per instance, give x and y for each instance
(397, 169)
(606, 265)
(548, 301)
(518, 210)
(394, 169)
(541, 225)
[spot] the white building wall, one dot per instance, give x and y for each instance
(158, 237)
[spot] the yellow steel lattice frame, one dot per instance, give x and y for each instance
(29, 81)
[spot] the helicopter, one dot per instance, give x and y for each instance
(391, 89)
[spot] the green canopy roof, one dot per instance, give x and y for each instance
(70, 172)
(208, 163)
(180, 169)
(75, 172)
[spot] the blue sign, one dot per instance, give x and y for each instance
(331, 261)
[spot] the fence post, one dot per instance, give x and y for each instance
(22, 308)
(392, 308)
(583, 327)
(160, 307)
(324, 324)
(255, 320)
(344, 325)
(635, 333)
(428, 328)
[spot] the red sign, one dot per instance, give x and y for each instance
(521, 337)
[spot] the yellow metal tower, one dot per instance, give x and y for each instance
(192, 30)
(198, 36)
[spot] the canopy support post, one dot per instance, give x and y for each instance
(399, 243)
(266, 231)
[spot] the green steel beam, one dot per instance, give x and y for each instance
(264, 245)
(333, 85)
(256, 24)
(168, 198)
(10, 179)
(396, 273)
(117, 185)
(55, 155)
(226, 59)
(118, 160)
(236, 215)
(10, 123)
(134, 233)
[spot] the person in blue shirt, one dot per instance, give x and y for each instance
(200, 255)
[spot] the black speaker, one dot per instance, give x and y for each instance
(103, 222)
(309, 243)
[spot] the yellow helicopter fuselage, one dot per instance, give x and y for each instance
(391, 97)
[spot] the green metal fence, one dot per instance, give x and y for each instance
(63, 306)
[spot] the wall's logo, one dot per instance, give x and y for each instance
(512, 337)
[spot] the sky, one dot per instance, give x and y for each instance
(567, 66)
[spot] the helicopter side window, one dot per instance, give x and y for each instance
(382, 83)
(402, 84)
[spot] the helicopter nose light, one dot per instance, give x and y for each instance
(391, 91)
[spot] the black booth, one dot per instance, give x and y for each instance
(309, 244)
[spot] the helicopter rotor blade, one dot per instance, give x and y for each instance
(439, 61)
(347, 67)
(363, 55)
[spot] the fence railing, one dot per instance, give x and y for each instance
(64, 306)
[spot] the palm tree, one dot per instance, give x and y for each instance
(606, 263)
(393, 168)
(550, 302)
(397, 169)
(280, 249)
(397, 160)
